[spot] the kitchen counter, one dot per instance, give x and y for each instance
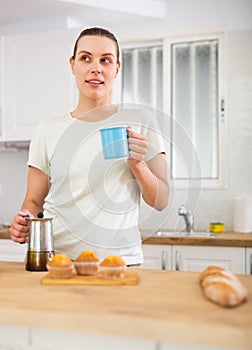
(167, 306)
(4, 233)
(229, 239)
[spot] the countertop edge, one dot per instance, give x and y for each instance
(228, 239)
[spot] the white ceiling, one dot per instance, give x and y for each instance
(17, 16)
(80, 11)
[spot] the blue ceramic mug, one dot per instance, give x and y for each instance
(114, 142)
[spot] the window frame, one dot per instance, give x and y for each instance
(166, 42)
(221, 181)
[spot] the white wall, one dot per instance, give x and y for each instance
(233, 17)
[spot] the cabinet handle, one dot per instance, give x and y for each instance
(177, 260)
(251, 264)
(222, 105)
(163, 260)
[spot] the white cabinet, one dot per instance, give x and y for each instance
(50, 339)
(249, 261)
(197, 258)
(36, 82)
(11, 251)
(194, 258)
(157, 257)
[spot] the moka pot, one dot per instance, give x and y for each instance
(40, 244)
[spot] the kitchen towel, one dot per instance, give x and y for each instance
(242, 218)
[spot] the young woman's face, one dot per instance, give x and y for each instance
(95, 67)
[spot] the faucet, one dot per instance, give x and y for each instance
(188, 216)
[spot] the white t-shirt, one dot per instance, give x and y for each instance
(94, 202)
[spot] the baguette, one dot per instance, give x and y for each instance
(222, 287)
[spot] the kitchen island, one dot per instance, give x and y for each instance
(163, 309)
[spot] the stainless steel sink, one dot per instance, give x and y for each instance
(183, 234)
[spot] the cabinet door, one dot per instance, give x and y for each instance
(249, 261)
(37, 81)
(11, 251)
(157, 257)
(192, 258)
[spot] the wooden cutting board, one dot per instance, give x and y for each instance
(131, 278)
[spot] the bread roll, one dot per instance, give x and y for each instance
(222, 287)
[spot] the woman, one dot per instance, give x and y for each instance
(94, 203)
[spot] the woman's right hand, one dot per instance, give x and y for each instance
(19, 227)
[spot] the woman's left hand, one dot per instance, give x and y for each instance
(137, 146)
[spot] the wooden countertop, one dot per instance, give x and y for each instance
(166, 306)
(229, 239)
(4, 233)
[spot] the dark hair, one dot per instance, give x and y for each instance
(95, 31)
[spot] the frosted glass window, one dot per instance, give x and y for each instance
(182, 77)
(142, 75)
(194, 106)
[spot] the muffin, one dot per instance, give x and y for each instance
(113, 267)
(60, 266)
(87, 263)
